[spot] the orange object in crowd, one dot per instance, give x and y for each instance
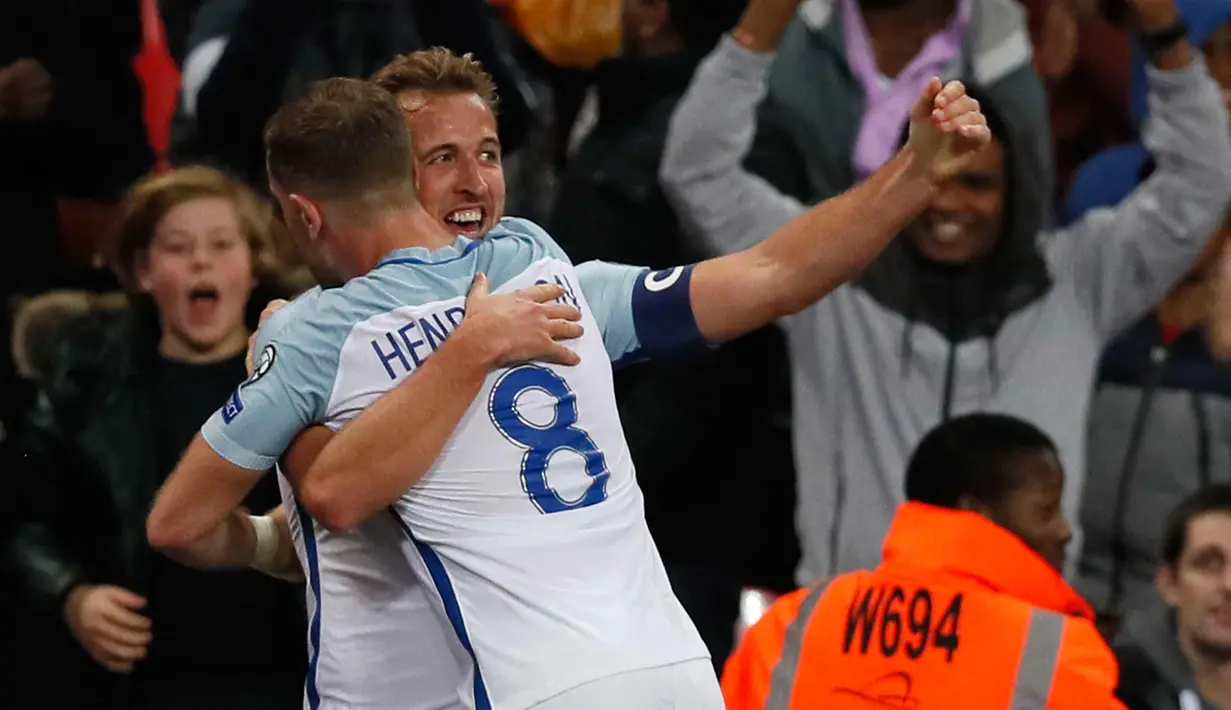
(568, 33)
(160, 81)
(961, 614)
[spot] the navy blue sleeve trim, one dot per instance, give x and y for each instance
(662, 313)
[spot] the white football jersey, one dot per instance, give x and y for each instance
(528, 534)
(375, 641)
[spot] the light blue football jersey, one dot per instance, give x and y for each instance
(527, 536)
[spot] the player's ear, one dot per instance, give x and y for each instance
(309, 214)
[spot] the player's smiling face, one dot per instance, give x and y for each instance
(198, 270)
(459, 175)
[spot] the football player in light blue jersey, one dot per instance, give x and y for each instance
(565, 596)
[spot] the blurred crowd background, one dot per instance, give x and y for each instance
(130, 122)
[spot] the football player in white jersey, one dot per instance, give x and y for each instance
(720, 299)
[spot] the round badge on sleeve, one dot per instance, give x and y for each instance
(263, 364)
(656, 281)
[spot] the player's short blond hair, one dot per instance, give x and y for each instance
(437, 71)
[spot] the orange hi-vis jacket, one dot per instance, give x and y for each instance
(960, 615)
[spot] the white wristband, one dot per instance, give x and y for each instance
(267, 542)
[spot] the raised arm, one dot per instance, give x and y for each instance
(711, 132)
(832, 242)
(647, 314)
(343, 479)
(1122, 260)
(808, 252)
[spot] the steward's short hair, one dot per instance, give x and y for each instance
(967, 456)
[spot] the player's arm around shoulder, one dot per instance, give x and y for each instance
(298, 460)
(343, 478)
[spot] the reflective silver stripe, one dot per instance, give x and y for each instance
(783, 680)
(1037, 665)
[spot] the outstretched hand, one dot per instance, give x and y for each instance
(946, 129)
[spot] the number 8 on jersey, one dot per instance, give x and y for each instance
(542, 442)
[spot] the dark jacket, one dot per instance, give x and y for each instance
(82, 457)
(611, 207)
(1153, 670)
(85, 473)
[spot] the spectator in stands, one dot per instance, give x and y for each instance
(1160, 419)
(968, 608)
(610, 207)
(127, 390)
(244, 56)
(974, 308)
(1176, 653)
